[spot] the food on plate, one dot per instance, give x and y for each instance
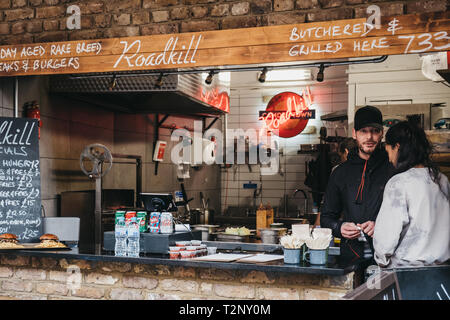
(49, 240)
(242, 231)
(9, 241)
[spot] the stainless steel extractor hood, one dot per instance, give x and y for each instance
(138, 92)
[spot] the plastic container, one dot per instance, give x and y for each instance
(292, 256)
(181, 243)
(120, 248)
(174, 255)
(212, 250)
(196, 242)
(185, 254)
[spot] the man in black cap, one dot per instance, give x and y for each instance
(355, 188)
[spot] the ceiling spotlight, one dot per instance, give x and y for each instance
(159, 81)
(113, 83)
(262, 76)
(320, 75)
(209, 78)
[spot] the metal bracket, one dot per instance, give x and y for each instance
(206, 128)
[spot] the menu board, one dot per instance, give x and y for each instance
(414, 33)
(20, 181)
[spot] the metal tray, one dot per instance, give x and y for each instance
(32, 246)
(231, 237)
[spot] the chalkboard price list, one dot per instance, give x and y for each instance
(20, 182)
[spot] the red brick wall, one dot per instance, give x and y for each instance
(28, 21)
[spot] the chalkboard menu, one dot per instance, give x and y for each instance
(20, 180)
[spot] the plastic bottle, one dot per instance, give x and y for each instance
(120, 248)
(133, 238)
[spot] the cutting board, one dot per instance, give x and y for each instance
(222, 257)
(261, 258)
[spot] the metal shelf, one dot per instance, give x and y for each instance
(340, 115)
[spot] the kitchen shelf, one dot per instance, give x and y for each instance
(340, 115)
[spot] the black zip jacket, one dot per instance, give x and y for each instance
(342, 197)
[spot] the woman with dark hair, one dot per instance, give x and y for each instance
(413, 224)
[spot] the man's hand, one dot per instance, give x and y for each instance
(349, 230)
(367, 227)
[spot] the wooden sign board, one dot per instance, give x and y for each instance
(405, 34)
(20, 181)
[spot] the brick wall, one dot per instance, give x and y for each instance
(23, 21)
(51, 279)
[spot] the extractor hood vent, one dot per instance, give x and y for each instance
(138, 92)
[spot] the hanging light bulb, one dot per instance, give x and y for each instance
(262, 76)
(209, 78)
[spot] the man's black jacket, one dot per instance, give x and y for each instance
(342, 191)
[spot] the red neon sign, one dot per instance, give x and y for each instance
(218, 100)
(288, 113)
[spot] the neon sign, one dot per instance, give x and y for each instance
(288, 113)
(218, 100)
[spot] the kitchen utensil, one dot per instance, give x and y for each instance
(232, 237)
(291, 256)
(277, 225)
(272, 235)
(206, 229)
(317, 257)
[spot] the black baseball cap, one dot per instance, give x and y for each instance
(368, 116)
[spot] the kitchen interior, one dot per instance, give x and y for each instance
(126, 116)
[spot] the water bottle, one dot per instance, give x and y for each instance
(133, 238)
(120, 248)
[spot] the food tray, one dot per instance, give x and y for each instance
(221, 236)
(32, 246)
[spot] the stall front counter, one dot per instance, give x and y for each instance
(75, 274)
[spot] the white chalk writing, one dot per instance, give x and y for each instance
(426, 42)
(19, 179)
(53, 57)
(394, 26)
(170, 55)
(306, 49)
(318, 33)
(368, 45)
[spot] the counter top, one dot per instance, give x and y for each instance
(335, 266)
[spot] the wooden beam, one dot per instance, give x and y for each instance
(415, 33)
